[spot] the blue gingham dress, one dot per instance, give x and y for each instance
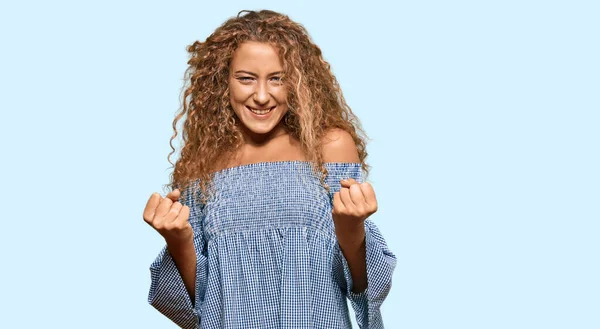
(268, 257)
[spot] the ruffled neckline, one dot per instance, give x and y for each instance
(285, 163)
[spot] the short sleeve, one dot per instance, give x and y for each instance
(380, 261)
(167, 290)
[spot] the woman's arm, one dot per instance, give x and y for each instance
(352, 245)
(363, 264)
(184, 256)
(338, 146)
(178, 275)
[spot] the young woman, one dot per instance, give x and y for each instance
(267, 223)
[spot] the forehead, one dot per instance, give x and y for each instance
(257, 57)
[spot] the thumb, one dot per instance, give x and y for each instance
(348, 182)
(174, 195)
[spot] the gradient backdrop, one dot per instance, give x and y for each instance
(484, 119)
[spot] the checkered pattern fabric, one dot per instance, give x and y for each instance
(268, 257)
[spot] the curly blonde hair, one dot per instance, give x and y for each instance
(210, 129)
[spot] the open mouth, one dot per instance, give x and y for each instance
(261, 111)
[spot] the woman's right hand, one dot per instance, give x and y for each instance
(169, 217)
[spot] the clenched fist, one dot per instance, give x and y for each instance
(353, 204)
(169, 217)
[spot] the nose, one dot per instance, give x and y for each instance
(261, 94)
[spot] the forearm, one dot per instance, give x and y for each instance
(352, 244)
(184, 256)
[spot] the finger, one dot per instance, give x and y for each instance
(369, 194)
(173, 212)
(174, 195)
(183, 217)
(167, 221)
(348, 182)
(150, 208)
(346, 199)
(357, 197)
(163, 208)
(338, 205)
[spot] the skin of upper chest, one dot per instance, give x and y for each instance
(281, 148)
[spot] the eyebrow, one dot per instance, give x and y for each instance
(256, 75)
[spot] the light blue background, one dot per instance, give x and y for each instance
(484, 119)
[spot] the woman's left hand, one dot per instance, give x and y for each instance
(352, 205)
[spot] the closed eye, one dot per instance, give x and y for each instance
(250, 79)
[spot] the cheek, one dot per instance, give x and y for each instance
(232, 96)
(236, 93)
(281, 95)
(236, 96)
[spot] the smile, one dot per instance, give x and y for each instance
(260, 111)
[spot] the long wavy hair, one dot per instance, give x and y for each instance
(211, 132)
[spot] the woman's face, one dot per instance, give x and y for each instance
(256, 93)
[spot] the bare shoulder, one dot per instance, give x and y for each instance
(338, 146)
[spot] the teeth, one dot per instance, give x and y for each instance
(261, 112)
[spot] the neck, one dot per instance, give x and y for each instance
(253, 139)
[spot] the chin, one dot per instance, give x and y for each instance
(260, 130)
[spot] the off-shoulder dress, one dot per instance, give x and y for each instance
(268, 257)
